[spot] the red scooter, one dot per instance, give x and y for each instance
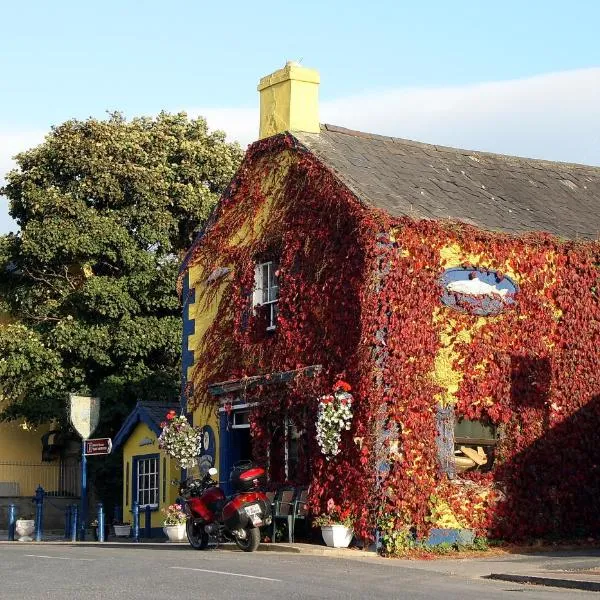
(237, 518)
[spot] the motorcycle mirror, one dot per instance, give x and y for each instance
(212, 471)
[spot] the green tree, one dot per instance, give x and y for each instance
(106, 209)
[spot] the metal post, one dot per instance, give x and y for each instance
(39, 513)
(148, 522)
(12, 520)
(67, 521)
(74, 523)
(100, 522)
(83, 503)
(135, 509)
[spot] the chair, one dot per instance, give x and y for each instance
(300, 511)
(271, 497)
(283, 510)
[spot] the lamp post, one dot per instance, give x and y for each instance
(84, 413)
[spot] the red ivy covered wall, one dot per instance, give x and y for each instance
(360, 294)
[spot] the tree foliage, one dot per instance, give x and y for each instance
(106, 209)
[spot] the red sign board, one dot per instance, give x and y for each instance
(98, 446)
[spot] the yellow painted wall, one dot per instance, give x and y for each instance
(23, 448)
(208, 296)
(17, 443)
(208, 416)
(289, 101)
(131, 449)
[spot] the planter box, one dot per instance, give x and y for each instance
(175, 533)
(24, 528)
(462, 537)
(122, 530)
(337, 536)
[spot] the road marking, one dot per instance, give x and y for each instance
(227, 573)
(57, 557)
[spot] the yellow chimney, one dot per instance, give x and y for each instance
(289, 100)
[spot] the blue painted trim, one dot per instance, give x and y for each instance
(137, 415)
(225, 459)
(134, 487)
(189, 328)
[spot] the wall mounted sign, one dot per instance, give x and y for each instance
(206, 459)
(97, 446)
(479, 292)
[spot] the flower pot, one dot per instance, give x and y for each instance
(175, 533)
(25, 529)
(337, 536)
(122, 530)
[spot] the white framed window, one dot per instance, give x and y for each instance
(266, 291)
(146, 478)
(241, 419)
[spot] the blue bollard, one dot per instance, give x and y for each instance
(74, 510)
(148, 522)
(67, 521)
(39, 513)
(100, 522)
(12, 520)
(136, 521)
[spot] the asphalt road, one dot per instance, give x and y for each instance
(38, 571)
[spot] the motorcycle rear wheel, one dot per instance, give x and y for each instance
(251, 541)
(197, 537)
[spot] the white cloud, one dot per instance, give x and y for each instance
(11, 143)
(554, 116)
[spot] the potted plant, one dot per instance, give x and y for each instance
(122, 529)
(334, 415)
(174, 523)
(336, 525)
(180, 440)
(24, 527)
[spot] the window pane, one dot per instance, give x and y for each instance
(265, 282)
(466, 428)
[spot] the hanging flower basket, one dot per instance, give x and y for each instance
(180, 440)
(334, 416)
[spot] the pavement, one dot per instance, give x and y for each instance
(567, 569)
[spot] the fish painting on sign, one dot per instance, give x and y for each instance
(479, 292)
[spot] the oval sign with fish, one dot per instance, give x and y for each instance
(477, 291)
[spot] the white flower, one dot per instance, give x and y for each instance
(181, 441)
(334, 416)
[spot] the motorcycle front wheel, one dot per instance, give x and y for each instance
(197, 537)
(250, 542)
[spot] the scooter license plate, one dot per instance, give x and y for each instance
(253, 509)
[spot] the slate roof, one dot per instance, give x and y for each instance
(150, 413)
(157, 411)
(491, 191)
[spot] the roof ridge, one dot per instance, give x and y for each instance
(465, 151)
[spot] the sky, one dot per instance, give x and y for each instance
(516, 77)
